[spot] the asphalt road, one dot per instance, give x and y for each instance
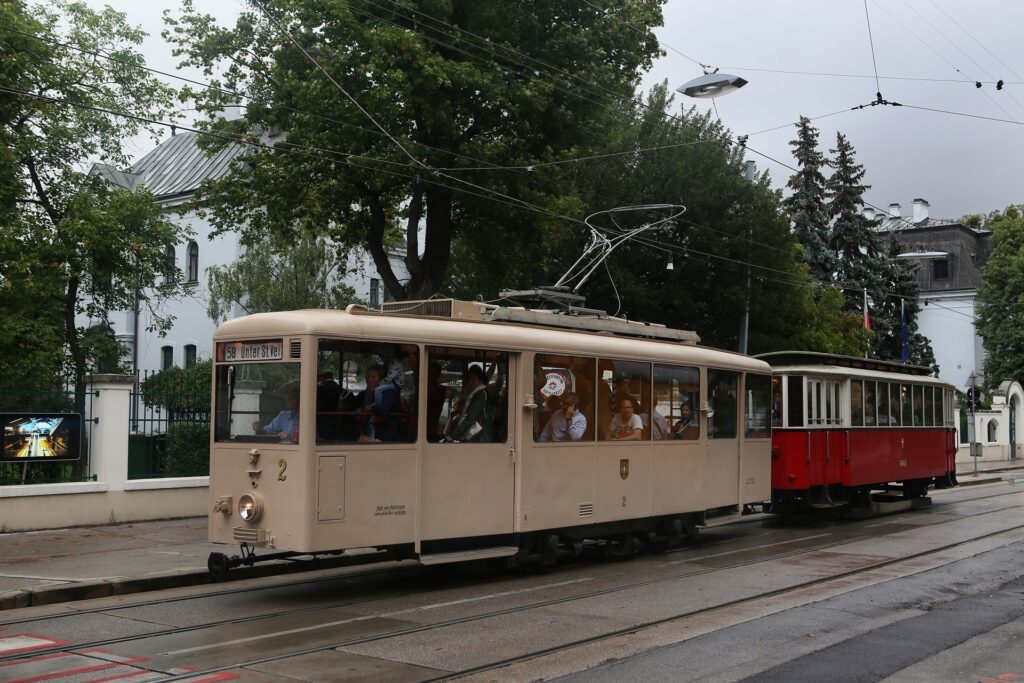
(935, 594)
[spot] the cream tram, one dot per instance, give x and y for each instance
(448, 431)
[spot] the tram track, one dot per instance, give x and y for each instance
(534, 605)
(575, 598)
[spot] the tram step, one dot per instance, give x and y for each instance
(468, 555)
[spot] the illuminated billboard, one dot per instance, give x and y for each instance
(40, 437)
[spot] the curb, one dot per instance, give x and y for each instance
(105, 588)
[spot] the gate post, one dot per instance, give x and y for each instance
(108, 452)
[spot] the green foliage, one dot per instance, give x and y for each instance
(180, 391)
(280, 276)
(453, 105)
(188, 449)
(74, 245)
(807, 205)
(829, 329)
(1001, 299)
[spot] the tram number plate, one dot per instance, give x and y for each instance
(253, 351)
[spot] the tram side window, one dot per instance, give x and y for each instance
(937, 417)
(857, 402)
(473, 396)
(906, 393)
(627, 387)
(776, 401)
(757, 413)
(870, 404)
(257, 402)
(677, 398)
(366, 392)
(795, 403)
(564, 392)
(722, 387)
(885, 416)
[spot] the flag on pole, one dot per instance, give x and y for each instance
(867, 317)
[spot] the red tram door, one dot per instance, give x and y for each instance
(826, 439)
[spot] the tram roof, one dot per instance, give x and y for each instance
(360, 324)
(809, 361)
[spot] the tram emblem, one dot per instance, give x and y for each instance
(624, 468)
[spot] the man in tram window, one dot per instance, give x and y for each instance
(385, 403)
(657, 423)
(286, 423)
(567, 423)
(474, 422)
(626, 424)
(328, 395)
(436, 394)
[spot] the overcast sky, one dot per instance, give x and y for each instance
(959, 164)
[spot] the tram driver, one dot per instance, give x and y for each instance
(286, 424)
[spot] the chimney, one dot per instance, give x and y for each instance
(894, 210)
(869, 213)
(920, 210)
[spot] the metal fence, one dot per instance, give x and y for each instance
(169, 431)
(44, 397)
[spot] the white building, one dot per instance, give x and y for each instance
(173, 172)
(951, 256)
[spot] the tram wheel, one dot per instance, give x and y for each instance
(218, 566)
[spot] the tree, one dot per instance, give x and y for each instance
(896, 299)
(445, 90)
(807, 205)
(853, 241)
(75, 245)
(829, 329)
(1001, 298)
(280, 276)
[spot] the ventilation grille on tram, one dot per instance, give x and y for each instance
(435, 308)
(586, 509)
(246, 535)
(295, 349)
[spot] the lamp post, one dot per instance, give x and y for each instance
(971, 398)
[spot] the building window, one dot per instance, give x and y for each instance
(991, 429)
(170, 265)
(190, 355)
(166, 357)
(940, 269)
(374, 292)
(193, 262)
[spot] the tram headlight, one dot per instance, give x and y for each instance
(249, 507)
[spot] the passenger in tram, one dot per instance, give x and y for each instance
(436, 394)
(474, 422)
(686, 426)
(567, 423)
(286, 423)
(657, 423)
(328, 395)
(777, 409)
(382, 403)
(626, 424)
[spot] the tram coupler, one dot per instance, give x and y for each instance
(218, 564)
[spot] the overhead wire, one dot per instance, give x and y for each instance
(871, 41)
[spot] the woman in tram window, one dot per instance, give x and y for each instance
(474, 423)
(626, 424)
(387, 405)
(686, 426)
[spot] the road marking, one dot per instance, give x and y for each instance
(386, 615)
(25, 642)
(743, 550)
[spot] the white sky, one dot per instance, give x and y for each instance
(960, 165)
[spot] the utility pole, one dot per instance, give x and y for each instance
(745, 324)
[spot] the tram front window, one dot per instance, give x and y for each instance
(257, 402)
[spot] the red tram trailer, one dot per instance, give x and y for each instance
(844, 427)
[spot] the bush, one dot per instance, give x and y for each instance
(188, 449)
(180, 391)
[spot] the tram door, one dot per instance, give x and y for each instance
(721, 482)
(467, 478)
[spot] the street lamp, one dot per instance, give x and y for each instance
(972, 397)
(711, 85)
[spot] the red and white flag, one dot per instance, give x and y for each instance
(867, 316)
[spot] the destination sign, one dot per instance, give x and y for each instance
(249, 351)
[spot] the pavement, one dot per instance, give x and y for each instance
(80, 563)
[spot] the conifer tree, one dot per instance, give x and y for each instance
(855, 245)
(895, 296)
(806, 206)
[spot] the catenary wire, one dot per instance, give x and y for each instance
(871, 41)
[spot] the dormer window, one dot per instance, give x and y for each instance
(940, 269)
